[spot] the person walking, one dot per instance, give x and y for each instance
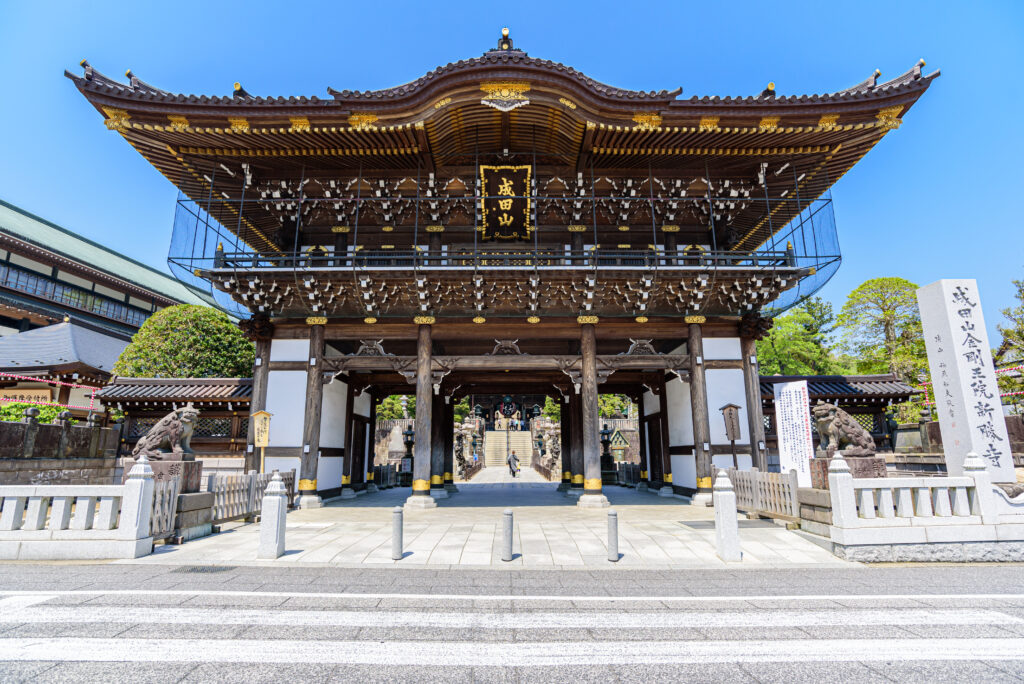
(513, 463)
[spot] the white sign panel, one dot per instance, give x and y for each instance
(963, 377)
(793, 426)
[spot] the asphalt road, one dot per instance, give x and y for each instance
(140, 623)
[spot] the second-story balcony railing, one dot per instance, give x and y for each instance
(504, 258)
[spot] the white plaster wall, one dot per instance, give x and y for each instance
(684, 471)
(680, 415)
(725, 386)
(286, 402)
(283, 464)
(722, 348)
(289, 350)
(361, 404)
(651, 403)
(725, 461)
(328, 472)
(332, 414)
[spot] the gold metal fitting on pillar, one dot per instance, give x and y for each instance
(577, 479)
(667, 478)
(316, 320)
(593, 483)
(420, 485)
(703, 483)
(695, 319)
(436, 479)
(448, 477)
(307, 485)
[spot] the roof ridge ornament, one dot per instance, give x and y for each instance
(505, 43)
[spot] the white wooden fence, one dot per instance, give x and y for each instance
(766, 494)
(241, 496)
(65, 522)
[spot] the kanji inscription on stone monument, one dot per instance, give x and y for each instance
(963, 377)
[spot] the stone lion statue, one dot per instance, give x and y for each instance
(840, 432)
(172, 435)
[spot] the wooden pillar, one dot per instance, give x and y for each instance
(424, 403)
(755, 412)
(340, 248)
(666, 449)
(699, 404)
(436, 445)
(671, 247)
(645, 467)
(64, 394)
(448, 440)
(565, 435)
(575, 445)
(371, 448)
(592, 495)
(258, 400)
(348, 455)
(308, 497)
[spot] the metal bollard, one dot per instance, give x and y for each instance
(613, 536)
(506, 542)
(396, 533)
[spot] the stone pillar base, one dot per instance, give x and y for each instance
(642, 487)
(563, 487)
(593, 501)
(666, 490)
(309, 501)
(347, 493)
(574, 492)
(371, 488)
(418, 501)
(451, 488)
(438, 494)
(701, 498)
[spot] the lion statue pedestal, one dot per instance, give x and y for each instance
(167, 445)
(840, 433)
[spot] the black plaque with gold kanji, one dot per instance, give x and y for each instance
(505, 207)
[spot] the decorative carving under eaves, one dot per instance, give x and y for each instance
(639, 348)
(506, 348)
(754, 325)
(258, 327)
(406, 367)
(371, 348)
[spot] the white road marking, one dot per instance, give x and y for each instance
(533, 620)
(512, 597)
(386, 653)
(22, 601)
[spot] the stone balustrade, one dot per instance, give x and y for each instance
(61, 522)
(924, 518)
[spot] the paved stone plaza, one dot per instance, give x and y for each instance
(464, 530)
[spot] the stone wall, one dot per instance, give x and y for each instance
(59, 453)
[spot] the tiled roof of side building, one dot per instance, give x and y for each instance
(886, 386)
(48, 236)
(60, 345)
(178, 389)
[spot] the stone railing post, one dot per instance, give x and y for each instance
(840, 489)
(31, 420)
(727, 528)
(64, 421)
(794, 502)
(137, 502)
(983, 502)
(272, 520)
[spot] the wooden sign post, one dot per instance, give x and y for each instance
(261, 434)
(731, 415)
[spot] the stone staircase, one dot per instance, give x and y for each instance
(495, 447)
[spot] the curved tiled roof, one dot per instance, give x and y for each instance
(843, 386)
(177, 389)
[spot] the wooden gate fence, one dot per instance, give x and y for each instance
(771, 495)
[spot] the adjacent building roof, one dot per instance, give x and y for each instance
(177, 390)
(844, 387)
(61, 348)
(62, 243)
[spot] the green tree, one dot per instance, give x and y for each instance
(15, 412)
(462, 409)
(615, 406)
(1011, 351)
(390, 407)
(187, 341)
(881, 329)
(552, 409)
(797, 344)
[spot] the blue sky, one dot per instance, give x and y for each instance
(936, 199)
